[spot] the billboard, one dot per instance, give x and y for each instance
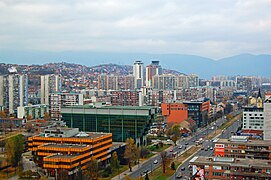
(219, 150)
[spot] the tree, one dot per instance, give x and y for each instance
(92, 169)
(229, 117)
(28, 127)
(46, 116)
(174, 133)
(144, 152)
(172, 166)
(165, 160)
(114, 163)
(3, 114)
(14, 149)
(131, 153)
(127, 177)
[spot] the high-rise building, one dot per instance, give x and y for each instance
(50, 83)
(58, 100)
(152, 69)
(138, 74)
(126, 98)
(13, 91)
(112, 82)
(267, 119)
(108, 82)
(182, 81)
(129, 82)
(244, 83)
(193, 80)
(164, 82)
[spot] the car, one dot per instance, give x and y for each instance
(186, 143)
(212, 127)
(202, 148)
(179, 176)
(194, 140)
(182, 168)
(206, 149)
(146, 171)
(180, 147)
(171, 150)
(168, 140)
(155, 161)
(211, 148)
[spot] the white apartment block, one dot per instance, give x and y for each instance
(253, 118)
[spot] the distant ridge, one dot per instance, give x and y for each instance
(243, 64)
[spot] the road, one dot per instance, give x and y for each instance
(226, 134)
(185, 143)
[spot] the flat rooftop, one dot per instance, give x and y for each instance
(77, 146)
(233, 162)
(249, 142)
(86, 135)
(113, 107)
(116, 145)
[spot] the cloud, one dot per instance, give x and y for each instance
(210, 28)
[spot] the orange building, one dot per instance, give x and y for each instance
(174, 112)
(68, 149)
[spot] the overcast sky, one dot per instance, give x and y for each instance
(210, 28)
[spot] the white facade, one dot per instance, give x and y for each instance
(253, 119)
(138, 74)
(267, 119)
(49, 84)
(13, 91)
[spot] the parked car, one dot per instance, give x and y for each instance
(211, 148)
(155, 161)
(182, 168)
(180, 147)
(186, 143)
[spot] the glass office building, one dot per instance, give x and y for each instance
(122, 121)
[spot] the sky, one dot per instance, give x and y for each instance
(209, 28)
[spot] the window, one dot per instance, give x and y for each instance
(216, 173)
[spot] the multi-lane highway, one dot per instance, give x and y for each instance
(149, 165)
(227, 133)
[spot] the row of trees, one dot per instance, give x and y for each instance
(14, 149)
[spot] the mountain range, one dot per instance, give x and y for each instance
(243, 64)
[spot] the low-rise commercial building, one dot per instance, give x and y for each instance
(122, 121)
(67, 148)
(229, 168)
(174, 112)
(243, 147)
(35, 111)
